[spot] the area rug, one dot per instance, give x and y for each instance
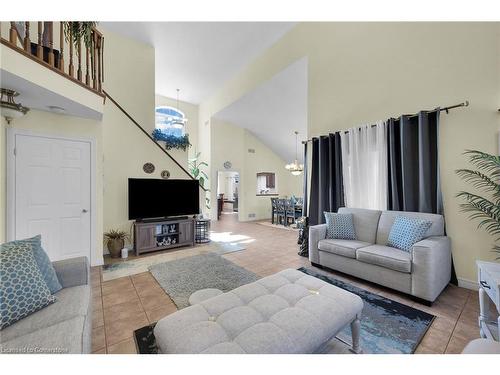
(133, 266)
(182, 277)
(278, 226)
(387, 326)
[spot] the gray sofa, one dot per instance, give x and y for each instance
(62, 327)
(423, 273)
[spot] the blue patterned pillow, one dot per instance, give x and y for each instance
(22, 288)
(407, 231)
(339, 226)
(44, 263)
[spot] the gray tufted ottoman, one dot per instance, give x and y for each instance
(288, 312)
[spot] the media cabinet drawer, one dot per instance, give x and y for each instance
(489, 284)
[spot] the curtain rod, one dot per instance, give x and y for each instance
(446, 109)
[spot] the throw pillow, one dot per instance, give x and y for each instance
(339, 226)
(44, 263)
(22, 288)
(406, 231)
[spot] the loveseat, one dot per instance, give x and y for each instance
(422, 272)
(62, 327)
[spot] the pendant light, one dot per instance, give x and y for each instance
(295, 168)
(177, 121)
(10, 109)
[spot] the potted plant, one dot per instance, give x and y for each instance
(485, 178)
(195, 169)
(76, 31)
(115, 241)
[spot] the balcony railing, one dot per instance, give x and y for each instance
(72, 57)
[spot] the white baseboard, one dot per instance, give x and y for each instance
(468, 284)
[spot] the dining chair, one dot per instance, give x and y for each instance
(280, 211)
(274, 208)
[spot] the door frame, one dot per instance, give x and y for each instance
(216, 178)
(11, 183)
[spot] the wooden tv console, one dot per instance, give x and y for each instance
(163, 234)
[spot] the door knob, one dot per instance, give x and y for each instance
(85, 211)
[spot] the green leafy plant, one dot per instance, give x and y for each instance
(195, 166)
(172, 141)
(114, 234)
(74, 32)
(486, 179)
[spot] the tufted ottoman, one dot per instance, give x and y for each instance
(288, 312)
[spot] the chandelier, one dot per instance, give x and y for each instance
(295, 168)
(178, 122)
(10, 109)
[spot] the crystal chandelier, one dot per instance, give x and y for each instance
(10, 109)
(295, 168)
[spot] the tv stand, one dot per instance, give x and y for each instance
(162, 219)
(163, 234)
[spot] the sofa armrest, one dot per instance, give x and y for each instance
(72, 272)
(316, 233)
(431, 267)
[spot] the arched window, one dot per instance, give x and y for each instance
(170, 121)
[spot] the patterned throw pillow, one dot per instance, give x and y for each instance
(339, 226)
(22, 288)
(44, 263)
(407, 231)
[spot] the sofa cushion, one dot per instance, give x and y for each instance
(385, 256)
(44, 264)
(346, 248)
(22, 287)
(339, 226)
(407, 231)
(71, 302)
(61, 338)
(387, 220)
(365, 222)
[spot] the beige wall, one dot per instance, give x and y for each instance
(231, 143)
(361, 72)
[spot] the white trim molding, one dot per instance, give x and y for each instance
(468, 284)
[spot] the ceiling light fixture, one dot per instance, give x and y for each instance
(177, 121)
(9, 108)
(295, 168)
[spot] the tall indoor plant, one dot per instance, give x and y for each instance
(485, 178)
(195, 166)
(75, 31)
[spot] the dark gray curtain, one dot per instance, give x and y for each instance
(414, 183)
(413, 158)
(327, 188)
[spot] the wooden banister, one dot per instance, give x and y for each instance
(51, 54)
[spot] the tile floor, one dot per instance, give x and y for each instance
(128, 303)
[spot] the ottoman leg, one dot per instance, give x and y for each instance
(355, 331)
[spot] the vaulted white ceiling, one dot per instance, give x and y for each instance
(274, 110)
(198, 57)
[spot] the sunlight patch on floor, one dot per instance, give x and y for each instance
(229, 237)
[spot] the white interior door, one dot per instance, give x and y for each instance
(53, 194)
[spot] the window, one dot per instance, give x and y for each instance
(266, 183)
(170, 121)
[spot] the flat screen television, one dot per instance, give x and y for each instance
(153, 198)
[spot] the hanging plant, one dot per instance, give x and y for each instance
(172, 141)
(78, 31)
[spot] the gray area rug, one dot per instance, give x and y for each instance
(182, 277)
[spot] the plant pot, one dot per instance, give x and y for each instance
(115, 247)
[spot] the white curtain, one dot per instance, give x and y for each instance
(364, 164)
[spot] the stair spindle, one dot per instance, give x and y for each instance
(99, 80)
(50, 25)
(87, 66)
(13, 34)
(39, 47)
(27, 43)
(94, 61)
(71, 66)
(79, 52)
(61, 46)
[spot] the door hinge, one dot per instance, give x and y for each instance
(15, 151)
